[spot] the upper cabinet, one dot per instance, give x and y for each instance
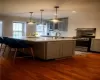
(61, 26)
(51, 26)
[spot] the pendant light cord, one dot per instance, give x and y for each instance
(31, 15)
(56, 11)
(41, 15)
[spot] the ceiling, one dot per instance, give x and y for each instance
(23, 7)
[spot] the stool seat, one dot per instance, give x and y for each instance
(1, 40)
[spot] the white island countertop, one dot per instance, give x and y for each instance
(97, 38)
(41, 39)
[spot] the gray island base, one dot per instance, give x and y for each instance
(54, 49)
(45, 48)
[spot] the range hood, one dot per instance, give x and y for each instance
(86, 32)
(87, 29)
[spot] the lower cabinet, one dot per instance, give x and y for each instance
(53, 50)
(68, 48)
(60, 49)
(95, 45)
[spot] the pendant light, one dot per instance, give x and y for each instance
(56, 20)
(30, 19)
(41, 16)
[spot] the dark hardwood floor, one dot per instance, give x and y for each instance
(86, 67)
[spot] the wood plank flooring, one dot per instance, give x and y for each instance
(86, 67)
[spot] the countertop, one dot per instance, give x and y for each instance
(41, 39)
(97, 38)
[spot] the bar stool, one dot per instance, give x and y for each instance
(5, 43)
(17, 44)
(1, 43)
(2, 47)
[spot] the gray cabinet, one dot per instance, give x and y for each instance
(62, 26)
(68, 48)
(53, 50)
(60, 49)
(95, 45)
(51, 26)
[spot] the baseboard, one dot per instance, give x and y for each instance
(95, 52)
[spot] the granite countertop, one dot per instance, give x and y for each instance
(41, 39)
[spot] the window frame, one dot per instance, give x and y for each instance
(23, 28)
(41, 31)
(1, 27)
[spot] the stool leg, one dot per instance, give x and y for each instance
(4, 50)
(23, 49)
(9, 52)
(15, 54)
(0, 47)
(32, 52)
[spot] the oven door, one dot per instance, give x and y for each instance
(82, 45)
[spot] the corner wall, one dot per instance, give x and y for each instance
(7, 25)
(84, 20)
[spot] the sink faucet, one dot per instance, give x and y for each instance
(58, 34)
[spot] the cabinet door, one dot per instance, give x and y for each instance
(53, 50)
(51, 25)
(56, 26)
(63, 25)
(68, 48)
(60, 25)
(95, 45)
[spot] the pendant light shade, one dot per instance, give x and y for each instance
(31, 21)
(56, 20)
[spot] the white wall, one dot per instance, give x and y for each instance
(78, 20)
(63, 33)
(7, 25)
(84, 20)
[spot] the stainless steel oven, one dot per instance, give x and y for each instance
(84, 37)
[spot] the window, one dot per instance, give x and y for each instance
(0, 28)
(41, 29)
(18, 29)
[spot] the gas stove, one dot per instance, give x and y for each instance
(84, 37)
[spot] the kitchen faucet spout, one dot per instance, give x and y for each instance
(58, 34)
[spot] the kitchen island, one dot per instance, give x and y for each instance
(51, 48)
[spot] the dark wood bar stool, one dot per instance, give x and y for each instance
(2, 46)
(1, 43)
(17, 44)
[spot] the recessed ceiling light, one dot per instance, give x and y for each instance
(73, 11)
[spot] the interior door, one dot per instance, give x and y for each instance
(0, 28)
